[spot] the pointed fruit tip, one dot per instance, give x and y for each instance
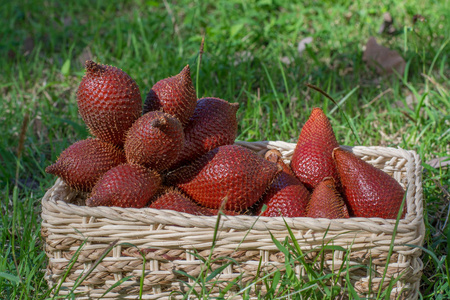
(272, 155)
(335, 149)
(50, 169)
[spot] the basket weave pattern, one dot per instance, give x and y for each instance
(168, 240)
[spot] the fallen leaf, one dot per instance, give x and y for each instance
(384, 60)
(388, 24)
(28, 45)
(302, 44)
(439, 162)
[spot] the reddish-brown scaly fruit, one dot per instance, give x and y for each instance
(275, 156)
(173, 199)
(213, 124)
(312, 160)
(174, 95)
(109, 102)
(286, 197)
(326, 202)
(369, 192)
(231, 173)
(125, 186)
(154, 141)
(83, 163)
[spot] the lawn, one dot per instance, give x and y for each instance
(250, 56)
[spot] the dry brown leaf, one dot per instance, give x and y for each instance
(384, 60)
(439, 162)
(302, 44)
(28, 45)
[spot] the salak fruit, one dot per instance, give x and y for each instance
(174, 95)
(369, 191)
(155, 140)
(109, 102)
(229, 173)
(213, 124)
(173, 199)
(326, 202)
(83, 163)
(127, 185)
(312, 160)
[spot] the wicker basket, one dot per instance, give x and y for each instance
(169, 239)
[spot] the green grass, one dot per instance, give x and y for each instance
(45, 43)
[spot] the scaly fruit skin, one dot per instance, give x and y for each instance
(173, 199)
(286, 197)
(174, 95)
(83, 163)
(229, 172)
(155, 140)
(125, 186)
(109, 102)
(312, 160)
(369, 192)
(326, 202)
(213, 124)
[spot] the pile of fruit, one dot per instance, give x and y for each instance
(176, 152)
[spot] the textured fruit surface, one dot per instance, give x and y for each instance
(369, 192)
(125, 186)
(213, 124)
(83, 163)
(312, 160)
(174, 95)
(155, 140)
(286, 197)
(274, 156)
(326, 202)
(228, 173)
(173, 199)
(109, 102)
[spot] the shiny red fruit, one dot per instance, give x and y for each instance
(173, 199)
(155, 141)
(125, 186)
(312, 160)
(174, 95)
(326, 202)
(229, 173)
(286, 197)
(109, 101)
(369, 191)
(213, 124)
(83, 163)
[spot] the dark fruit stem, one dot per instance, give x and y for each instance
(159, 123)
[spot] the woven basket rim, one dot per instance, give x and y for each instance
(169, 217)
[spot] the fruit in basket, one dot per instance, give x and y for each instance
(83, 163)
(369, 192)
(174, 95)
(109, 101)
(312, 160)
(286, 197)
(229, 173)
(213, 124)
(327, 202)
(127, 185)
(155, 140)
(173, 199)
